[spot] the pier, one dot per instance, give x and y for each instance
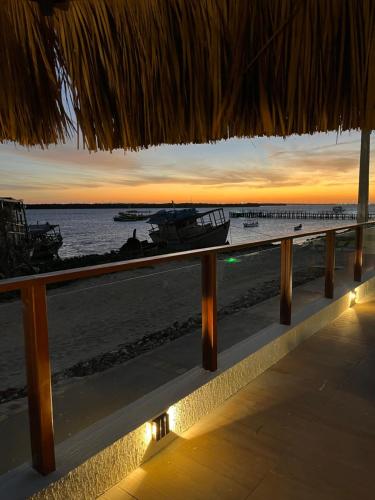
(293, 214)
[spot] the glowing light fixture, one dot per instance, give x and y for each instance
(148, 433)
(352, 298)
(160, 426)
(172, 418)
(232, 260)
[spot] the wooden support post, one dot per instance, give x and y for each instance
(209, 313)
(330, 264)
(358, 254)
(286, 281)
(38, 378)
(364, 176)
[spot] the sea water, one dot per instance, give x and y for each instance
(93, 230)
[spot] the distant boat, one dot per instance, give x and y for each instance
(338, 209)
(131, 215)
(187, 228)
(298, 228)
(251, 223)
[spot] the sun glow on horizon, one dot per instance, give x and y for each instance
(308, 169)
(182, 194)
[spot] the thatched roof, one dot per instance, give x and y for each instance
(146, 72)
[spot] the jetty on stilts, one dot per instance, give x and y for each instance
(294, 214)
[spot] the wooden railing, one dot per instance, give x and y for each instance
(33, 296)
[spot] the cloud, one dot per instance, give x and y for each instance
(308, 150)
(313, 157)
(26, 187)
(238, 163)
(67, 155)
(293, 168)
(39, 186)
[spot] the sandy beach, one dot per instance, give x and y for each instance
(117, 315)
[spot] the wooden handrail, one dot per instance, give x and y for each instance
(12, 284)
(286, 271)
(38, 378)
(330, 264)
(209, 313)
(358, 254)
(33, 294)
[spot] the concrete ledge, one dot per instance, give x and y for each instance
(100, 456)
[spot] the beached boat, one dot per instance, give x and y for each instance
(131, 215)
(14, 248)
(21, 243)
(45, 240)
(251, 223)
(187, 228)
(298, 228)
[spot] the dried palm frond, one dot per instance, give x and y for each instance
(148, 72)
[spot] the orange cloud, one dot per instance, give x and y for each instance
(298, 170)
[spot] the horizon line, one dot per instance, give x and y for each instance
(139, 203)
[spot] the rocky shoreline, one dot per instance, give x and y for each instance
(127, 351)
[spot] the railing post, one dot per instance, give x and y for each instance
(358, 254)
(330, 264)
(286, 281)
(38, 378)
(209, 312)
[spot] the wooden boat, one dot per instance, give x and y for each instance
(21, 243)
(45, 240)
(14, 247)
(131, 215)
(187, 228)
(338, 209)
(251, 223)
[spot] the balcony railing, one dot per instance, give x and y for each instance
(35, 324)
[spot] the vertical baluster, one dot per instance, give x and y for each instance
(209, 313)
(358, 254)
(286, 281)
(330, 264)
(38, 378)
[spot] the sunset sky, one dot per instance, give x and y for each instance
(306, 169)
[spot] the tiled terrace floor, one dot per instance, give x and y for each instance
(304, 429)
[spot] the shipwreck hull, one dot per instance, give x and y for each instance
(215, 237)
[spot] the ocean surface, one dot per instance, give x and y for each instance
(93, 230)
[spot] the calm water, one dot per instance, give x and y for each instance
(88, 231)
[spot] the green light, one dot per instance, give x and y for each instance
(231, 260)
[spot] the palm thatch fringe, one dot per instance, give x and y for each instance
(147, 72)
